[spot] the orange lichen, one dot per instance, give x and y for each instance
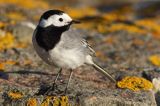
(45, 102)
(56, 101)
(29, 4)
(10, 62)
(112, 16)
(135, 83)
(15, 95)
(155, 60)
(6, 41)
(64, 101)
(32, 102)
(3, 63)
(129, 28)
(85, 11)
(15, 16)
(151, 25)
(2, 66)
(21, 45)
(101, 28)
(2, 24)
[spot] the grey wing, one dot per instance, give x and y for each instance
(73, 39)
(87, 45)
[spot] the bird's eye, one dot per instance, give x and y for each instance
(60, 19)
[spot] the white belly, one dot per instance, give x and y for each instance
(67, 58)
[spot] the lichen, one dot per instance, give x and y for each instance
(155, 60)
(6, 41)
(15, 16)
(15, 95)
(2, 24)
(56, 101)
(29, 4)
(32, 102)
(4, 63)
(135, 83)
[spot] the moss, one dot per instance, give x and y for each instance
(32, 102)
(135, 83)
(15, 95)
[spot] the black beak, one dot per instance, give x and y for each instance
(75, 22)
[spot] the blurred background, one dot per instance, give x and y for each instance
(125, 35)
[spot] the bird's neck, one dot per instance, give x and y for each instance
(48, 37)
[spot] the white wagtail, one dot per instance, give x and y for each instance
(55, 42)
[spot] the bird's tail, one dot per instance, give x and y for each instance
(98, 68)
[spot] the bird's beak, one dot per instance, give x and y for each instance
(75, 22)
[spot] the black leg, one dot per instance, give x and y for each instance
(71, 72)
(53, 85)
(57, 76)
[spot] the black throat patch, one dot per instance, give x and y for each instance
(48, 37)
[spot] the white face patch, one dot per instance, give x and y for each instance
(56, 20)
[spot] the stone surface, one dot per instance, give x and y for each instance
(121, 53)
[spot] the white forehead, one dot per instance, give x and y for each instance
(54, 20)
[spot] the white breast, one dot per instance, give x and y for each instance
(67, 58)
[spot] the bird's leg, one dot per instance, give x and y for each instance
(53, 85)
(57, 76)
(71, 72)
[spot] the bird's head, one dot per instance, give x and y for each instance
(56, 18)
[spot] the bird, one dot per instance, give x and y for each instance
(57, 45)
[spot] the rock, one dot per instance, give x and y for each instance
(125, 98)
(84, 95)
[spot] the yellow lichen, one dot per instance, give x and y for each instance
(29, 4)
(6, 41)
(64, 101)
(56, 101)
(2, 66)
(112, 16)
(45, 102)
(135, 83)
(101, 28)
(15, 16)
(2, 24)
(129, 28)
(81, 12)
(3, 63)
(151, 25)
(155, 60)
(15, 95)
(32, 102)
